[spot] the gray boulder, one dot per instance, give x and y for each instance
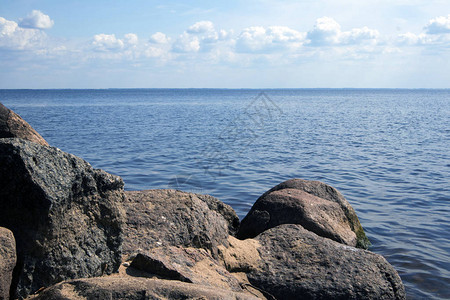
(156, 218)
(12, 125)
(65, 215)
(316, 206)
(7, 261)
(134, 288)
(186, 264)
(296, 263)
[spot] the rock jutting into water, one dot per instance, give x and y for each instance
(12, 125)
(316, 206)
(81, 236)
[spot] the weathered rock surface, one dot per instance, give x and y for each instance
(7, 261)
(12, 125)
(133, 288)
(240, 256)
(316, 206)
(186, 264)
(296, 263)
(64, 214)
(158, 218)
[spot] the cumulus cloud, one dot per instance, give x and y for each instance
(131, 39)
(153, 52)
(260, 39)
(201, 27)
(36, 19)
(327, 32)
(186, 43)
(16, 38)
(159, 38)
(411, 39)
(199, 37)
(437, 32)
(438, 25)
(107, 42)
(359, 35)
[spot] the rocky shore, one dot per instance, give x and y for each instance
(69, 231)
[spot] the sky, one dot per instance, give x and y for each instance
(226, 44)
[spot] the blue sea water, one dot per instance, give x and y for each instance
(386, 150)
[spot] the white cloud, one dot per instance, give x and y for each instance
(422, 39)
(107, 42)
(327, 32)
(159, 38)
(16, 38)
(186, 43)
(201, 27)
(131, 39)
(260, 39)
(154, 52)
(199, 37)
(439, 25)
(359, 35)
(411, 39)
(437, 32)
(36, 19)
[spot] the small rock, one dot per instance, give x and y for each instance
(7, 261)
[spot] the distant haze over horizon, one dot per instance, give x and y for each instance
(235, 44)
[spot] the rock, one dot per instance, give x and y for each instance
(186, 264)
(7, 261)
(316, 206)
(294, 261)
(12, 125)
(158, 218)
(240, 256)
(65, 215)
(134, 288)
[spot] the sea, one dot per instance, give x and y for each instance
(386, 150)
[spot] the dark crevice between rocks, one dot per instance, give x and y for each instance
(154, 266)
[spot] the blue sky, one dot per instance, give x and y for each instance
(227, 44)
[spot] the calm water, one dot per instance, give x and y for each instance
(386, 150)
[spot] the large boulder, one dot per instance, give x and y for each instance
(7, 261)
(185, 264)
(134, 288)
(156, 218)
(65, 215)
(316, 206)
(295, 263)
(12, 125)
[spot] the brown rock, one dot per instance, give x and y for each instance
(132, 288)
(240, 256)
(7, 261)
(13, 126)
(186, 264)
(158, 218)
(294, 261)
(316, 206)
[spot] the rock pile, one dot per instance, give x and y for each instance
(80, 236)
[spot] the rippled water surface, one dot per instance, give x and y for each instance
(387, 151)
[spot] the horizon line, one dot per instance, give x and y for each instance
(217, 88)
